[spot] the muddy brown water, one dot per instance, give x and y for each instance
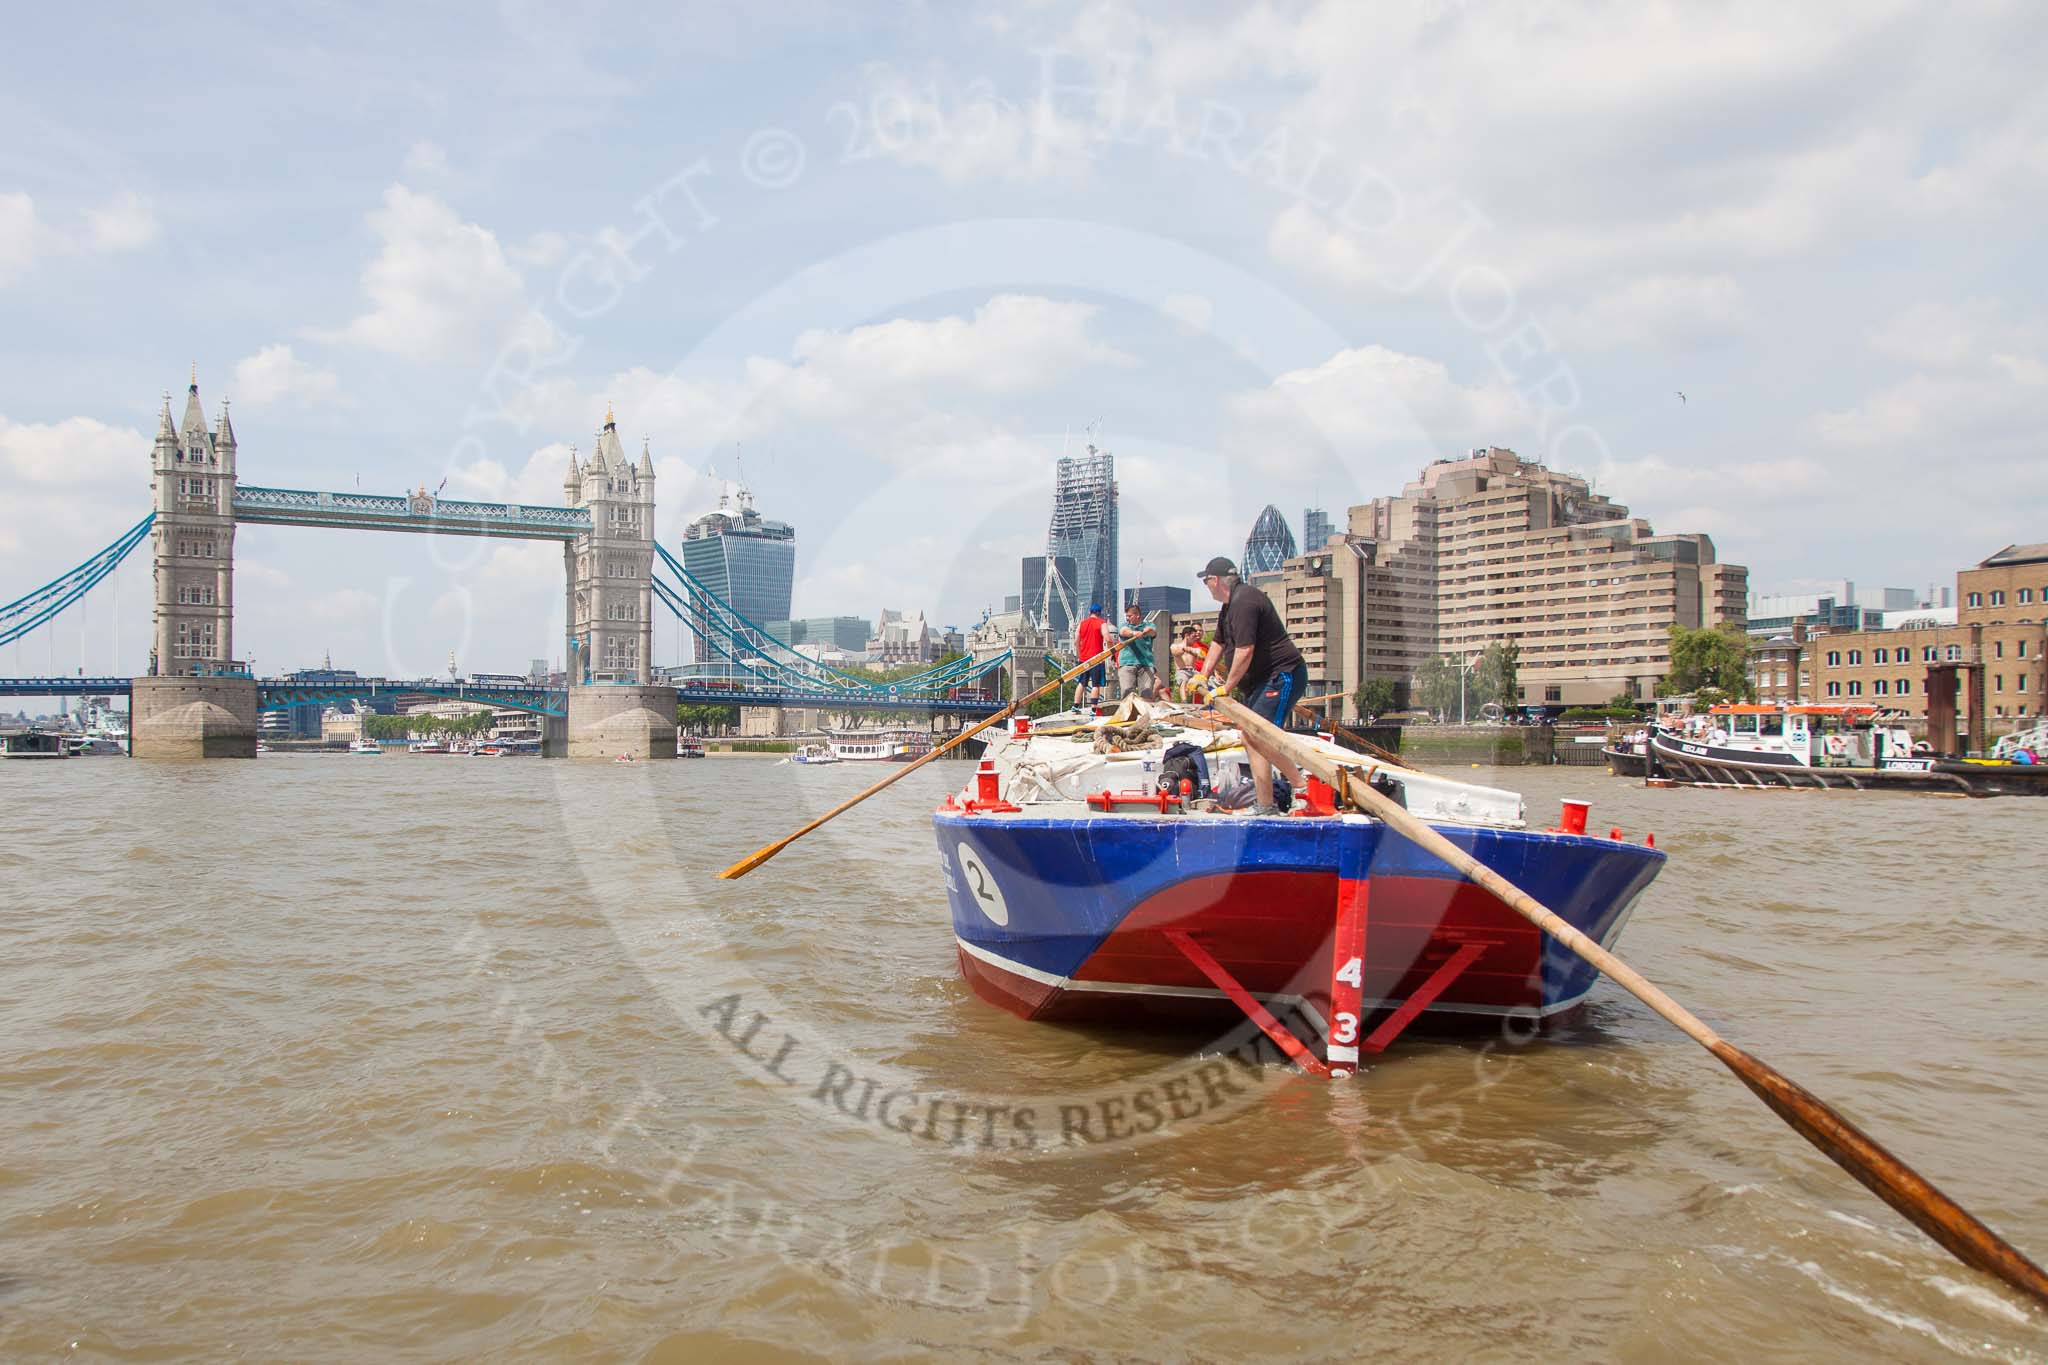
(319, 1058)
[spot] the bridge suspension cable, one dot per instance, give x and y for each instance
(761, 655)
(25, 613)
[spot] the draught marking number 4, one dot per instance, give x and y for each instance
(981, 885)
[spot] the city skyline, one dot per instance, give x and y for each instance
(900, 331)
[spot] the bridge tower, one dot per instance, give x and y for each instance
(614, 706)
(185, 708)
(192, 474)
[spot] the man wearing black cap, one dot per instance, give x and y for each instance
(1266, 670)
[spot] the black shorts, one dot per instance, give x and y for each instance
(1275, 697)
(1095, 677)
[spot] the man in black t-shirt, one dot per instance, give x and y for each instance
(1266, 670)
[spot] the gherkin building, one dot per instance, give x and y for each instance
(1270, 544)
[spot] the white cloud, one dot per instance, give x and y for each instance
(1950, 335)
(342, 606)
(1371, 400)
(73, 451)
(963, 132)
(1981, 385)
(123, 225)
(426, 160)
(1190, 310)
(1012, 343)
(437, 283)
(275, 375)
(1665, 311)
(20, 235)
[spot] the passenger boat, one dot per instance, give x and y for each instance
(427, 746)
(1080, 890)
(813, 754)
(689, 746)
(33, 743)
(898, 744)
(1783, 745)
(365, 746)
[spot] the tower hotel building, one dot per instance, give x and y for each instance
(1491, 548)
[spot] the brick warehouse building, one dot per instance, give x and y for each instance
(2001, 628)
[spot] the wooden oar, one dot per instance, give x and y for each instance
(1889, 1178)
(762, 855)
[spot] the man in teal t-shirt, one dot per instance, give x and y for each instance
(1134, 670)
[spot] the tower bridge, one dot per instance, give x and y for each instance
(198, 700)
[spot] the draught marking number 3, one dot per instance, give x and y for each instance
(981, 884)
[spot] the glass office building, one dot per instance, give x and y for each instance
(1051, 616)
(1315, 529)
(745, 559)
(1269, 546)
(1174, 601)
(1084, 528)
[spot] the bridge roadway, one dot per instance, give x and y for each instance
(277, 694)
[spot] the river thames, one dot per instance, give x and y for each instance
(318, 1058)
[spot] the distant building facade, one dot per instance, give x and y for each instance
(1048, 586)
(1084, 527)
(745, 558)
(1158, 597)
(1492, 548)
(2000, 625)
(193, 540)
(1270, 545)
(1316, 529)
(611, 602)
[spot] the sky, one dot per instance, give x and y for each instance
(1763, 271)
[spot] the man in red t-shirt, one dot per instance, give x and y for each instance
(1087, 644)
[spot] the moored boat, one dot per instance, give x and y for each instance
(34, 743)
(1080, 890)
(689, 746)
(1789, 746)
(1628, 755)
(896, 744)
(365, 746)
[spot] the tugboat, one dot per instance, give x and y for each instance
(1092, 875)
(1788, 746)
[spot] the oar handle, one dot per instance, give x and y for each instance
(762, 855)
(1862, 1156)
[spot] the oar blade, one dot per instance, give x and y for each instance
(752, 861)
(1884, 1175)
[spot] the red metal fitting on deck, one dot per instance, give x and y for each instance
(988, 783)
(1573, 820)
(1320, 796)
(1649, 841)
(1614, 834)
(1108, 800)
(1020, 725)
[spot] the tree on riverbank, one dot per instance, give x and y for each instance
(1716, 659)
